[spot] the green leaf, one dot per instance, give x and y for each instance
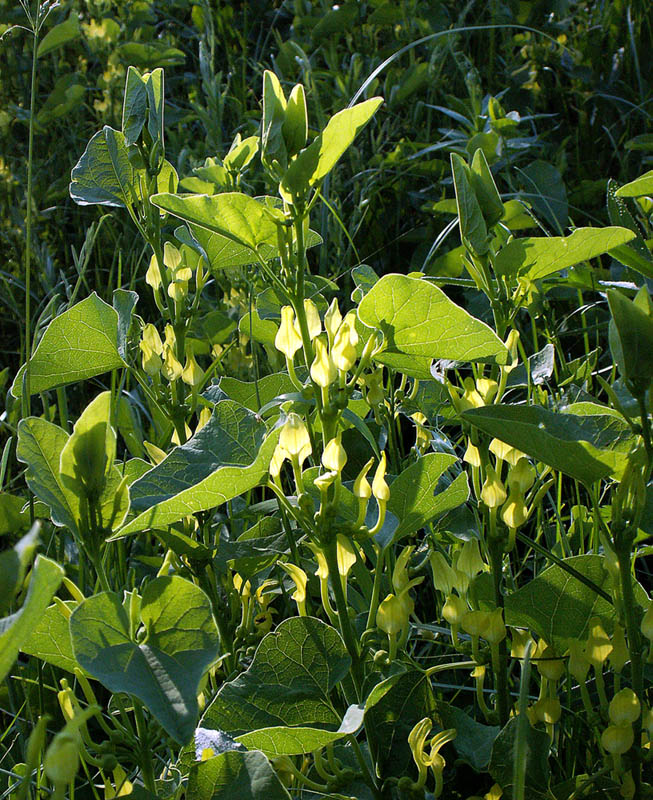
(318, 159)
(412, 496)
(231, 438)
(545, 190)
(78, 344)
(284, 741)
(485, 189)
(237, 217)
(247, 776)
(473, 230)
(641, 186)
(87, 456)
(502, 763)
(541, 256)
(60, 35)
(256, 394)
(45, 579)
(224, 483)
(287, 684)
(558, 607)
(392, 709)
(273, 148)
(104, 175)
(150, 55)
(566, 442)
(474, 740)
(134, 106)
(163, 668)
(124, 303)
(50, 639)
(418, 320)
(631, 341)
(39, 446)
(13, 566)
(154, 82)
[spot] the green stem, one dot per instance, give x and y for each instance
(147, 769)
(25, 400)
(500, 668)
(351, 643)
(376, 588)
(634, 635)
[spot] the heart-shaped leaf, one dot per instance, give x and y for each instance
(164, 667)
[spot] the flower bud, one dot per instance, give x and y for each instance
(153, 274)
(619, 655)
(345, 555)
(624, 707)
(578, 662)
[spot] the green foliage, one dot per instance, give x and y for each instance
(281, 490)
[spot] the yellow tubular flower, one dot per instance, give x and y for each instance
(521, 476)
(598, 646)
(287, 339)
(514, 512)
(505, 452)
(171, 369)
(444, 576)
(151, 337)
(312, 319)
(472, 455)
(345, 555)
(624, 707)
(487, 388)
(617, 739)
(151, 361)
(153, 274)
(493, 493)
(323, 371)
(332, 320)
(294, 438)
(454, 610)
(381, 492)
(343, 353)
(495, 630)
(380, 488)
(469, 560)
(300, 579)
(334, 456)
(193, 373)
(471, 398)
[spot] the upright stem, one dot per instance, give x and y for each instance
(500, 670)
(147, 770)
(346, 630)
(25, 402)
(635, 649)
